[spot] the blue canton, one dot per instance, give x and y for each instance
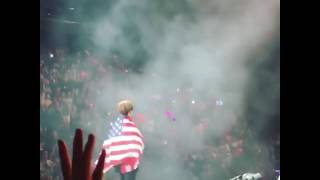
(116, 128)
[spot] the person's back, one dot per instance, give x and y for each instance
(126, 141)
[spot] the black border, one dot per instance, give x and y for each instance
(20, 87)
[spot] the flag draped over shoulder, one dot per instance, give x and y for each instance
(124, 146)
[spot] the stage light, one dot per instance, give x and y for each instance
(219, 103)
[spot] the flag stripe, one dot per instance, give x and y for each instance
(122, 156)
(119, 152)
(124, 147)
(131, 133)
(131, 129)
(122, 138)
(128, 121)
(123, 143)
(128, 125)
(112, 163)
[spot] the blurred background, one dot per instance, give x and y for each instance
(204, 77)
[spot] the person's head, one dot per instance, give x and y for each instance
(125, 107)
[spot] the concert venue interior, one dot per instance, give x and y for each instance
(204, 77)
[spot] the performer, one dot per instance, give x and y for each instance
(124, 146)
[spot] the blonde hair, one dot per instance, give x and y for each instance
(125, 106)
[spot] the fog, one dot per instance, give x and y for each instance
(190, 54)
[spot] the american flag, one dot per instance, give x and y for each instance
(124, 145)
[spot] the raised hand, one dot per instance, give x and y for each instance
(81, 167)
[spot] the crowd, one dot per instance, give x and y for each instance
(67, 102)
(64, 103)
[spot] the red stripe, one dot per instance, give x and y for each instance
(109, 165)
(131, 133)
(113, 162)
(122, 143)
(131, 125)
(124, 152)
(117, 162)
(128, 125)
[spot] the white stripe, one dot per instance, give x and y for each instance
(136, 165)
(105, 169)
(121, 156)
(128, 168)
(128, 121)
(131, 129)
(124, 147)
(122, 138)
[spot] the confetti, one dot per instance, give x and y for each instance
(170, 116)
